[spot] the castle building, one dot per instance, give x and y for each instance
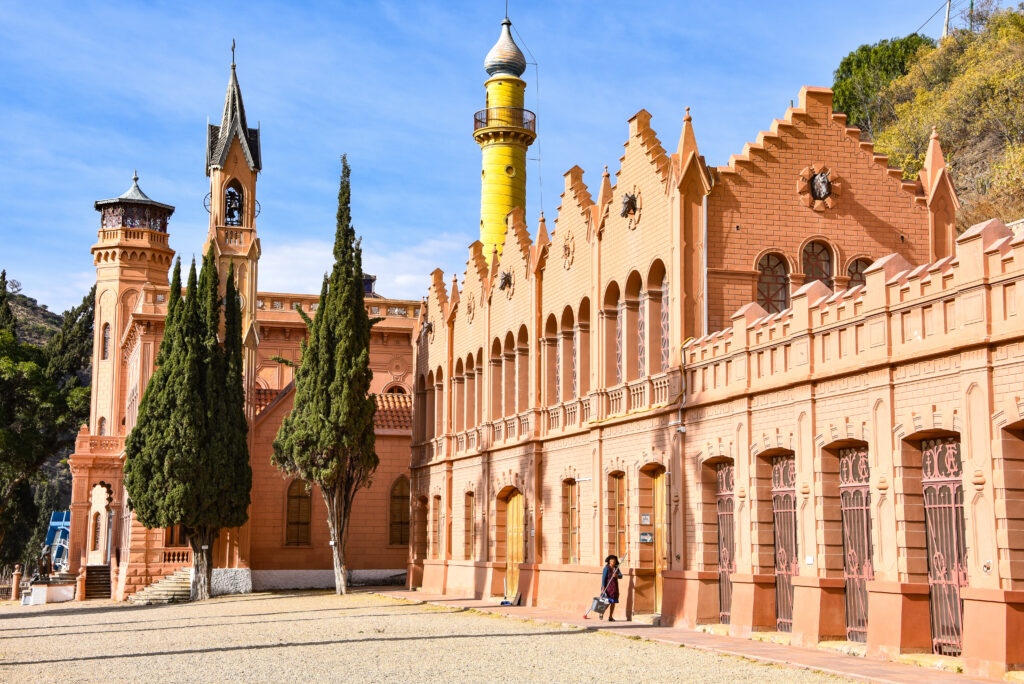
(784, 391)
(285, 543)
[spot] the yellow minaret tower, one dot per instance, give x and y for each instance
(504, 129)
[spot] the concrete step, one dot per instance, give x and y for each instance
(652, 619)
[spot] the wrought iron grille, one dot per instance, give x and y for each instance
(641, 341)
(817, 263)
(773, 283)
(725, 477)
(664, 325)
(942, 484)
(855, 503)
(575, 346)
(620, 314)
(784, 518)
(856, 272)
(558, 368)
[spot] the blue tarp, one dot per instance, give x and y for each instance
(57, 537)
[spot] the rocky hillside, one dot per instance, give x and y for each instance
(36, 323)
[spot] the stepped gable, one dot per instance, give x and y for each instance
(576, 190)
(782, 130)
(640, 127)
(985, 250)
(394, 411)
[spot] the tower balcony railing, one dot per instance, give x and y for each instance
(509, 117)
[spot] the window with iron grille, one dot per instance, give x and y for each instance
(817, 263)
(470, 525)
(773, 283)
(106, 342)
(570, 521)
(435, 530)
(724, 481)
(558, 368)
(784, 529)
(855, 506)
(855, 271)
(297, 525)
(617, 513)
(575, 347)
(398, 532)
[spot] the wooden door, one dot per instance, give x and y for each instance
(660, 536)
(514, 543)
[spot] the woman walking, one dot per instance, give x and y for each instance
(610, 582)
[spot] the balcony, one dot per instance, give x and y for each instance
(505, 117)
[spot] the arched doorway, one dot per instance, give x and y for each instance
(511, 517)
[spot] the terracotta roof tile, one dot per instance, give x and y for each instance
(394, 411)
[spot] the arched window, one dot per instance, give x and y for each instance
(101, 426)
(817, 263)
(773, 283)
(856, 272)
(397, 389)
(233, 204)
(398, 526)
(105, 348)
(300, 500)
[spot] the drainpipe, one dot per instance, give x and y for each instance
(704, 264)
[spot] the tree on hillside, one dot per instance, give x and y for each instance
(863, 75)
(187, 459)
(971, 86)
(43, 399)
(328, 437)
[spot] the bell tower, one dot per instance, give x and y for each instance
(232, 162)
(131, 251)
(504, 130)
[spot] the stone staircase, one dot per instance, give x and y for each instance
(97, 582)
(174, 588)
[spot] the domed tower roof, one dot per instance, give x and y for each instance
(505, 58)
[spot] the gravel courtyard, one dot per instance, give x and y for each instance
(323, 637)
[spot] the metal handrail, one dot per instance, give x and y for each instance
(512, 117)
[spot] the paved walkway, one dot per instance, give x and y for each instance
(830, 662)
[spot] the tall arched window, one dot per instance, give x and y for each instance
(773, 283)
(617, 513)
(105, 348)
(300, 501)
(398, 526)
(95, 532)
(101, 427)
(855, 271)
(817, 263)
(435, 529)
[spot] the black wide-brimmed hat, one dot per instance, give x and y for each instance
(609, 558)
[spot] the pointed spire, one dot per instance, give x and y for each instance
(687, 140)
(934, 163)
(232, 123)
(605, 194)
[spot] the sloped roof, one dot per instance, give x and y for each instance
(232, 123)
(394, 412)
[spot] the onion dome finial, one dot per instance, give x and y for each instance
(505, 58)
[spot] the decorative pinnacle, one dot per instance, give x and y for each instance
(687, 117)
(935, 133)
(232, 53)
(135, 176)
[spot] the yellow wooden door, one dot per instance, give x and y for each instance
(660, 537)
(513, 543)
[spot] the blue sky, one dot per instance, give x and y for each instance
(91, 91)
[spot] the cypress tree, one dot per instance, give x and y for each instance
(328, 437)
(187, 459)
(7, 320)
